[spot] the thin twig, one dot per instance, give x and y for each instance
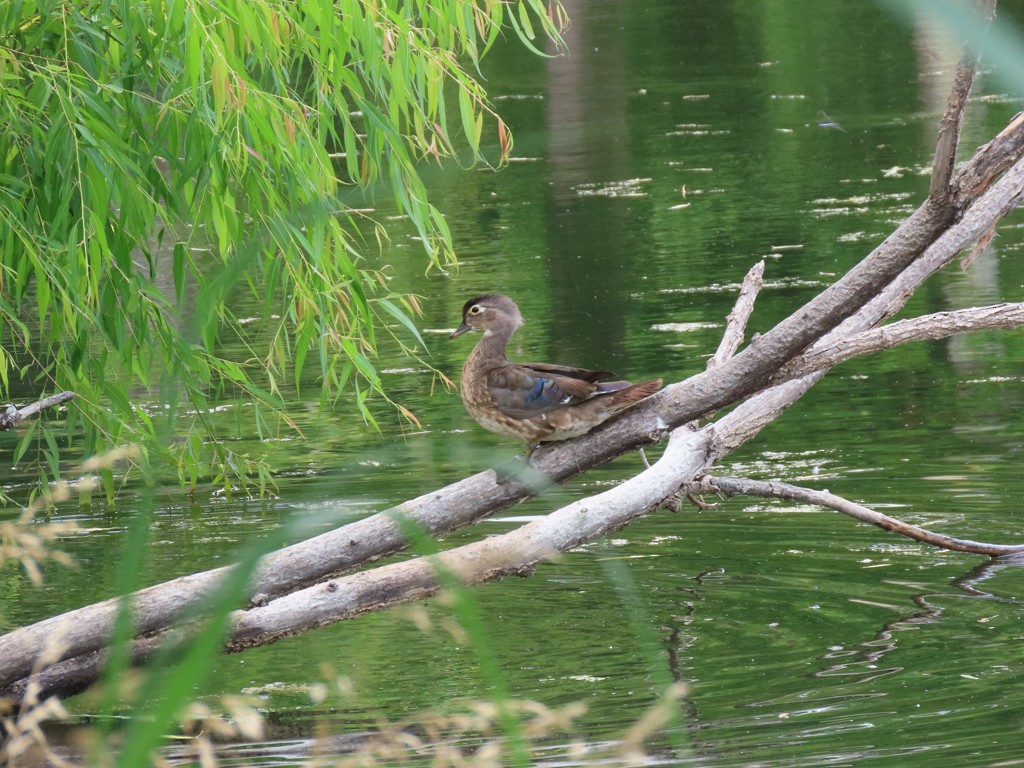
(734, 486)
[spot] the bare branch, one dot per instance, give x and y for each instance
(939, 325)
(949, 128)
(736, 325)
(999, 199)
(516, 552)
(989, 162)
(744, 422)
(12, 417)
(732, 486)
(873, 290)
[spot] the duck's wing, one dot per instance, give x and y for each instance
(524, 391)
(547, 369)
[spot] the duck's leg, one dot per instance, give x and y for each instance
(519, 469)
(512, 470)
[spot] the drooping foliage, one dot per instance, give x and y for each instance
(158, 156)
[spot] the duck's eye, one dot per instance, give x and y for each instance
(476, 309)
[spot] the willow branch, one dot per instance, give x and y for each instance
(732, 486)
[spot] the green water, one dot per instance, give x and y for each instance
(801, 132)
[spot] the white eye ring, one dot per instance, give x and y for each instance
(476, 309)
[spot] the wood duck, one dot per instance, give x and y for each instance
(536, 402)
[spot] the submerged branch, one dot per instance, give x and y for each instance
(733, 486)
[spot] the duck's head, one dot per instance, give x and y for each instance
(490, 312)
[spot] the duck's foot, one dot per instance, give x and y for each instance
(520, 470)
(511, 471)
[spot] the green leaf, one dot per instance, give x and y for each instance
(468, 119)
(303, 342)
(179, 266)
(25, 442)
(52, 453)
(403, 318)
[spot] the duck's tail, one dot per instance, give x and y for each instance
(622, 393)
(579, 419)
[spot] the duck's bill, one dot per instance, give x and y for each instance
(461, 330)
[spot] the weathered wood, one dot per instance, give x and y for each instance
(939, 325)
(514, 553)
(12, 416)
(736, 323)
(949, 127)
(738, 486)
